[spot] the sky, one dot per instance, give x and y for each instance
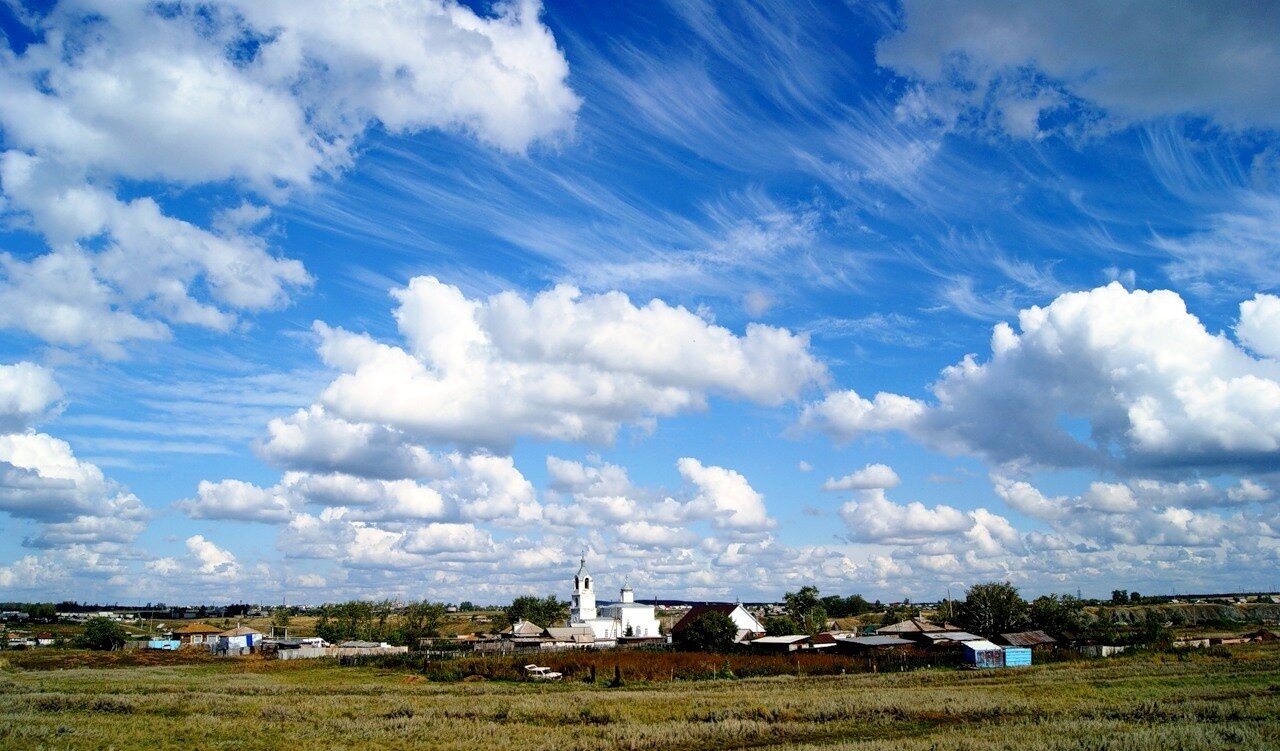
(425, 300)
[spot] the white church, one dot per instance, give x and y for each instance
(626, 618)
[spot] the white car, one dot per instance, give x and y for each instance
(542, 674)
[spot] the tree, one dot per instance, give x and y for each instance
(1057, 614)
(1135, 598)
(280, 618)
(992, 608)
(780, 626)
(467, 606)
(103, 634)
(709, 632)
(1119, 596)
(542, 611)
(806, 610)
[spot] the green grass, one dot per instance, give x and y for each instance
(1144, 702)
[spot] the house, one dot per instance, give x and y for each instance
(197, 634)
(44, 640)
(571, 636)
(237, 641)
(747, 624)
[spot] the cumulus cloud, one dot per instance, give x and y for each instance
(1259, 326)
(27, 391)
(210, 559)
(312, 440)
(41, 479)
(731, 500)
(874, 518)
(869, 477)
(263, 96)
(236, 500)
(1132, 59)
(1106, 378)
(563, 366)
(471, 488)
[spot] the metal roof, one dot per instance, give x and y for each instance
(1028, 639)
(875, 641)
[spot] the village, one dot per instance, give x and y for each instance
(925, 634)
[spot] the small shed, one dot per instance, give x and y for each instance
(983, 654)
(1017, 657)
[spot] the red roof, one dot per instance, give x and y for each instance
(724, 608)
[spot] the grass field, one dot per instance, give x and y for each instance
(1159, 702)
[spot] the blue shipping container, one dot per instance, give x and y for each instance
(1017, 657)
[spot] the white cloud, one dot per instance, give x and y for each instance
(1133, 59)
(237, 500)
(869, 477)
(1106, 378)
(211, 560)
(844, 414)
(271, 93)
(313, 440)
(150, 269)
(874, 518)
(1259, 326)
(27, 391)
(731, 501)
(646, 535)
(563, 366)
(261, 96)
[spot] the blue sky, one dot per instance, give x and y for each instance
(423, 300)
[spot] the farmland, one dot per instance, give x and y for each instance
(1189, 700)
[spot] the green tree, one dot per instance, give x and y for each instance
(1119, 596)
(992, 608)
(467, 606)
(280, 618)
(1135, 598)
(806, 610)
(709, 632)
(780, 626)
(1057, 614)
(542, 611)
(103, 634)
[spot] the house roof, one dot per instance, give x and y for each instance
(1027, 639)
(788, 639)
(574, 634)
(981, 645)
(724, 608)
(240, 631)
(913, 626)
(937, 636)
(198, 628)
(875, 641)
(523, 628)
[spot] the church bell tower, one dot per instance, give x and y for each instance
(583, 607)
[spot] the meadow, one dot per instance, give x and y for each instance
(1187, 700)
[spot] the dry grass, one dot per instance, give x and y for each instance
(1197, 702)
